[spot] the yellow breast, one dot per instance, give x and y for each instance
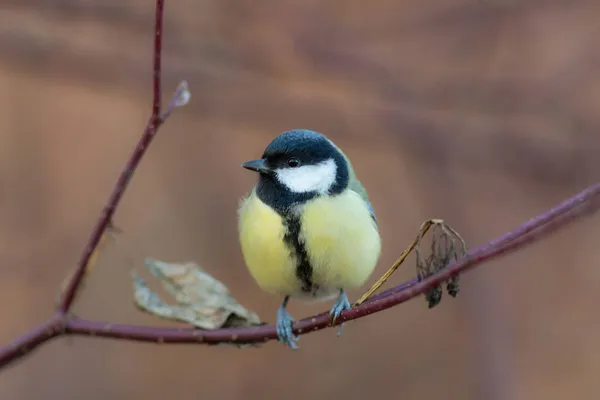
(267, 257)
(341, 239)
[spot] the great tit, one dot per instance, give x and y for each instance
(307, 229)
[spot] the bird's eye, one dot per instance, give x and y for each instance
(293, 162)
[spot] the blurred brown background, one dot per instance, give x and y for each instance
(481, 112)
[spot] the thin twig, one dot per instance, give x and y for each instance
(39, 335)
(424, 229)
(23, 345)
(117, 194)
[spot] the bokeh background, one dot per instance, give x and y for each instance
(481, 112)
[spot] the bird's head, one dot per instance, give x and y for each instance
(298, 165)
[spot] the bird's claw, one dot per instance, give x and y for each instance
(284, 328)
(341, 304)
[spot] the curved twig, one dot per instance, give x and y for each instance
(533, 230)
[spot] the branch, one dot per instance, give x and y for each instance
(578, 206)
(105, 219)
(63, 323)
(55, 327)
(32, 339)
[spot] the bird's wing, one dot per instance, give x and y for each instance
(369, 206)
(357, 187)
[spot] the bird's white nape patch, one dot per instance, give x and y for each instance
(309, 178)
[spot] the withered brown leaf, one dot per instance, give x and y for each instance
(201, 300)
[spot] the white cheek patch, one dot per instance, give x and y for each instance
(309, 178)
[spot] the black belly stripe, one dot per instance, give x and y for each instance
(304, 270)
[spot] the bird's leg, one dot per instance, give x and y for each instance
(341, 304)
(284, 325)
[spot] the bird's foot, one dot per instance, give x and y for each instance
(341, 304)
(284, 328)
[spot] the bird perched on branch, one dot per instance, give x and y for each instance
(307, 229)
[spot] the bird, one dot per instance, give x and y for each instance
(307, 229)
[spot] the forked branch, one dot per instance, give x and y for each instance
(63, 323)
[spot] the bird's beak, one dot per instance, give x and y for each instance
(257, 166)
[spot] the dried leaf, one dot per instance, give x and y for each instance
(201, 300)
(444, 248)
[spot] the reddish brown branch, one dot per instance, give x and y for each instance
(47, 331)
(123, 181)
(570, 210)
(578, 206)
(155, 120)
(62, 323)
(54, 327)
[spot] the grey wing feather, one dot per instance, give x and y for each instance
(370, 207)
(357, 187)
